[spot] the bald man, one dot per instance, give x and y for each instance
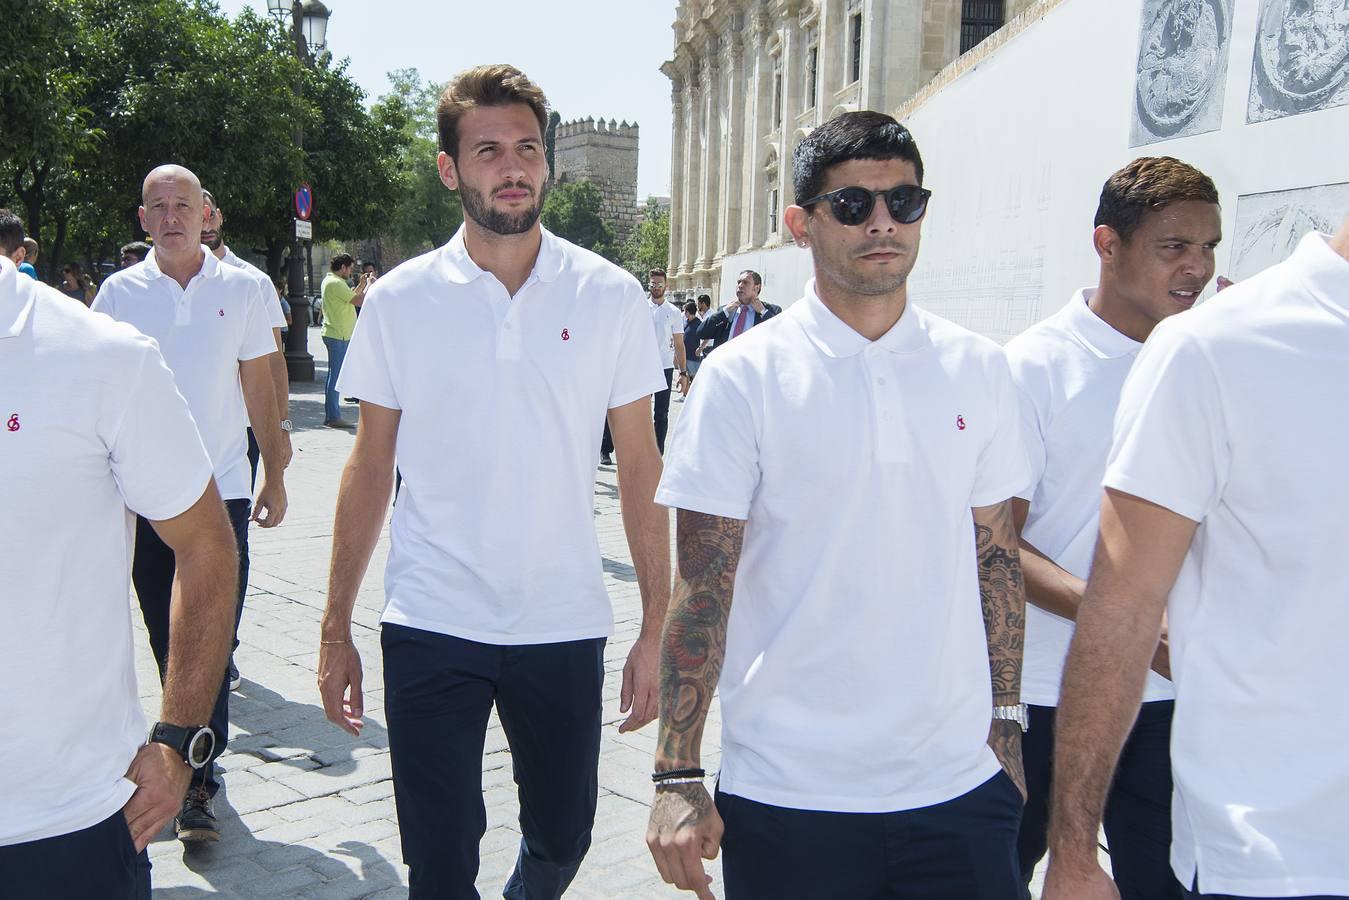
(211, 323)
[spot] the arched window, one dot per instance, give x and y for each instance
(978, 20)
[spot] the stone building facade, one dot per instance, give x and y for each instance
(751, 78)
(604, 153)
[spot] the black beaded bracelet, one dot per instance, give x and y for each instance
(658, 777)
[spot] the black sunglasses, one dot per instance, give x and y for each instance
(853, 205)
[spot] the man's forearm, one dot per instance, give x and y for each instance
(201, 626)
(694, 642)
(255, 375)
(361, 503)
(681, 358)
(280, 378)
(1049, 586)
(1002, 596)
(647, 526)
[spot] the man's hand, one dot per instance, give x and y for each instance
(340, 669)
(640, 688)
(1077, 883)
(287, 452)
(682, 384)
(270, 507)
(161, 779)
(684, 830)
(1004, 737)
(757, 305)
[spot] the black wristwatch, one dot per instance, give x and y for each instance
(195, 743)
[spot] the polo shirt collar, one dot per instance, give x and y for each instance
(836, 338)
(460, 268)
(210, 266)
(1324, 272)
(1095, 333)
(17, 296)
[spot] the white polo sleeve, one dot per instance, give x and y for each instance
(157, 456)
(365, 369)
(275, 315)
(258, 339)
(1033, 403)
(1003, 470)
(637, 370)
(712, 459)
(1170, 445)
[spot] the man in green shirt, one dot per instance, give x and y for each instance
(339, 319)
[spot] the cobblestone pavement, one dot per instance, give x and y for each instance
(306, 810)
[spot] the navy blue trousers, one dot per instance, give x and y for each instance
(439, 691)
(96, 863)
(1137, 813)
(152, 571)
(963, 849)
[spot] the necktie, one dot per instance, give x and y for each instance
(741, 322)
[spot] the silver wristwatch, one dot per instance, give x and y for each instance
(286, 426)
(1016, 713)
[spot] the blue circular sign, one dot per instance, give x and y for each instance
(304, 202)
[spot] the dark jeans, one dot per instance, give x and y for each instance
(1137, 812)
(152, 571)
(963, 849)
(337, 351)
(438, 693)
(254, 454)
(96, 863)
(661, 410)
(606, 442)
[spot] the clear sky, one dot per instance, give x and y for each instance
(592, 58)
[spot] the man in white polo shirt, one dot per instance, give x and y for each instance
(211, 325)
(92, 428)
(871, 714)
(494, 583)
(1224, 494)
(1157, 225)
(212, 240)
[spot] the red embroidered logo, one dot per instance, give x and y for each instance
(13, 423)
(566, 335)
(221, 313)
(960, 422)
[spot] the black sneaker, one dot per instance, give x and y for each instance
(196, 823)
(606, 459)
(235, 678)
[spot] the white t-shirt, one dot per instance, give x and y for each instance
(275, 314)
(91, 425)
(204, 333)
(1070, 369)
(1235, 417)
(856, 676)
(668, 322)
(503, 403)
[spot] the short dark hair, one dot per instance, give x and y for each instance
(691, 307)
(854, 135)
(341, 261)
(136, 248)
(11, 232)
(705, 298)
(1146, 185)
(495, 85)
(654, 272)
(753, 276)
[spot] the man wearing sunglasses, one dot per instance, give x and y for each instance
(871, 708)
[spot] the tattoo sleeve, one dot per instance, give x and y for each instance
(694, 642)
(1003, 598)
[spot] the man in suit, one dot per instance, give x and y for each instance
(742, 315)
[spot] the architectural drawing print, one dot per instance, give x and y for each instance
(1182, 67)
(1301, 58)
(1269, 226)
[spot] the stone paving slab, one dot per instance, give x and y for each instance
(307, 811)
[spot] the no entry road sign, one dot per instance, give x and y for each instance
(304, 202)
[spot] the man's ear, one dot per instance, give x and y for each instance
(449, 173)
(796, 218)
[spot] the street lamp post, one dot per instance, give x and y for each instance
(309, 32)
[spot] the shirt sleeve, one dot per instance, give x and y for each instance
(1003, 470)
(157, 456)
(712, 460)
(1170, 445)
(271, 303)
(258, 339)
(365, 369)
(1032, 395)
(105, 301)
(637, 372)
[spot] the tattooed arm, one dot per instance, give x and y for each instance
(1004, 604)
(685, 827)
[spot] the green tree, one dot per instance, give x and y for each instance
(648, 246)
(572, 211)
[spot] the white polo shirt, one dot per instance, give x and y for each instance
(503, 403)
(668, 323)
(1070, 369)
(1235, 417)
(91, 425)
(275, 315)
(204, 333)
(856, 676)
